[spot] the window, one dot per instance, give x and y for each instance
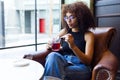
(28, 22)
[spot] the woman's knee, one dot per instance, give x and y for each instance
(53, 55)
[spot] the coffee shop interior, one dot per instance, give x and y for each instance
(27, 25)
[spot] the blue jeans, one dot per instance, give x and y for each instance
(66, 67)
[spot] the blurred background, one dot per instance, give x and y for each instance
(27, 25)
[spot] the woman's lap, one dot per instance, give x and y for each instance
(71, 71)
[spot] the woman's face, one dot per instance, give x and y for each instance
(71, 20)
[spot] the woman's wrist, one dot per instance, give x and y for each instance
(49, 49)
(74, 47)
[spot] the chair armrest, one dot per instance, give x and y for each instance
(38, 56)
(106, 68)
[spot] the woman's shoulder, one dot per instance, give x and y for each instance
(89, 35)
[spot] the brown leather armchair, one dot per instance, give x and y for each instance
(104, 64)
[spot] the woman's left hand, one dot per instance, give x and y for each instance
(69, 39)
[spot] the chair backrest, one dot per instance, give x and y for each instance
(103, 37)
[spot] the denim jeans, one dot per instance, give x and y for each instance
(67, 67)
(50, 78)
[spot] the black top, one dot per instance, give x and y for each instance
(79, 42)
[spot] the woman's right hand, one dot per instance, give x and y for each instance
(49, 45)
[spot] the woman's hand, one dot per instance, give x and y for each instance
(49, 45)
(69, 39)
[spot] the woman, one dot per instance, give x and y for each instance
(73, 61)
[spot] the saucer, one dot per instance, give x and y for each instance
(20, 63)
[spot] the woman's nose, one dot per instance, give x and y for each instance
(69, 20)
